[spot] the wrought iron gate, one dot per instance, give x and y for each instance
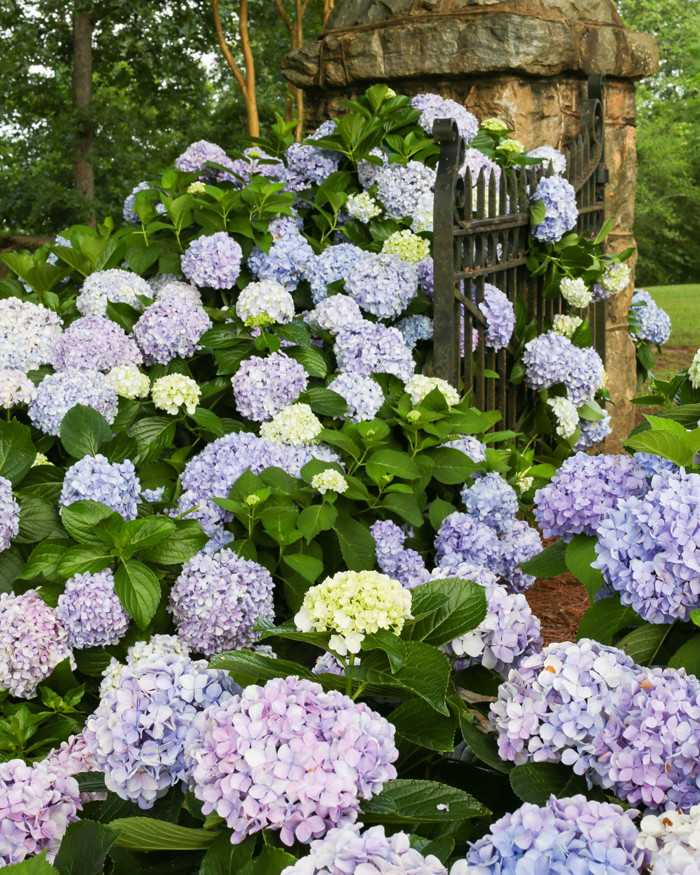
(481, 234)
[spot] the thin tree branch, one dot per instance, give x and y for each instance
(285, 18)
(230, 60)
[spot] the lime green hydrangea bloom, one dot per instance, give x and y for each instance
(295, 425)
(566, 325)
(128, 381)
(329, 480)
(174, 391)
(419, 386)
(407, 246)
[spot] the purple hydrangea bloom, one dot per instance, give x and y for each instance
(425, 271)
(415, 328)
(548, 360)
(287, 261)
(500, 317)
(655, 322)
(73, 758)
(37, 804)
(329, 266)
(289, 757)
(95, 478)
(470, 446)
(432, 107)
(475, 161)
(572, 835)
(90, 610)
(32, 643)
(308, 165)
(559, 199)
(263, 386)
(647, 546)
(400, 187)
(592, 433)
(518, 544)
(367, 172)
(368, 348)
(383, 285)
(492, 500)
(94, 343)
(213, 261)
(586, 376)
(345, 850)
(583, 493)
(58, 393)
(405, 565)
(115, 286)
(334, 313)
(327, 663)
(9, 514)
(137, 733)
(217, 600)
(363, 395)
(171, 328)
(195, 156)
(464, 538)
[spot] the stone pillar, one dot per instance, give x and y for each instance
(524, 61)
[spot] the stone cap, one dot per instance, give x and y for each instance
(388, 40)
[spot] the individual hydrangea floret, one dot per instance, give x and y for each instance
(492, 500)
(15, 388)
(583, 493)
(363, 395)
(419, 387)
(329, 266)
(500, 317)
(156, 647)
(566, 325)
(171, 328)
(179, 290)
(111, 286)
(212, 261)
(346, 849)
(362, 207)
(415, 328)
(262, 386)
(369, 348)
(58, 393)
(401, 187)
(352, 604)
(575, 292)
(559, 199)
(433, 106)
(137, 732)
(548, 359)
(672, 840)
(196, 156)
(470, 446)
(94, 343)
(334, 313)
(565, 415)
(217, 600)
(329, 480)
(95, 478)
(174, 391)
(382, 285)
(9, 514)
(265, 303)
(592, 432)
(290, 757)
(37, 803)
(32, 642)
(28, 334)
(128, 382)
(289, 258)
(90, 610)
(551, 157)
(395, 560)
(296, 425)
(655, 323)
(407, 246)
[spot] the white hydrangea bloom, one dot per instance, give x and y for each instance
(295, 424)
(419, 387)
(329, 480)
(566, 415)
(673, 839)
(156, 646)
(362, 207)
(174, 391)
(576, 292)
(615, 278)
(128, 381)
(566, 325)
(694, 371)
(422, 219)
(265, 303)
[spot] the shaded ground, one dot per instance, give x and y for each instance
(559, 603)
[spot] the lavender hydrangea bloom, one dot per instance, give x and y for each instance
(463, 538)
(559, 199)
(308, 165)
(217, 600)
(213, 261)
(383, 285)
(425, 271)
(264, 386)
(367, 171)
(90, 610)
(32, 643)
(368, 348)
(182, 291)
(415, 328)
(115, 286)
(492, 500)
(405, 565)
(95, 478)
(363, 395)
(475, 161)
(518, 544)
(400, 187)
(571, 835)
(94, 343)
(195, 156)
(586, 376)
(646, 547)
(37, 804)
(73, 758)
(655, 322)
(470, 446)
(289, 257)
(329, 266)
(592, 433)
(137, 733)
(583, 493)
(9, 514)
(345, 849)
(650, 465)
(500, 317)
(548, 360)
(289, 757)
(58, 393)
(171, 328)
(432, 107)
(28, 333)
(332, 314)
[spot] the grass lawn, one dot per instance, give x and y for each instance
(682, 303)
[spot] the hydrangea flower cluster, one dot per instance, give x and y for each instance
(367, 171)
(566, 325)
(566, 417)
(646, 547)
(415, 328)
(547, 359)
(173, 288)
(296, 425)
(559, 199)
(37, 804)
(470, 446)
(407, 246)
(491, 500)
(363, 395)
(352, 603)
(196, 156)
(575, 292)
(111, 286)
(500, 317)
(265, 303)
(289, 257)
(383, 285)
(329, 480)
(402, 187)
(32, 642)
(345, 849)
(650, 464)
(95, 478)
(592, 432)
(694, 371)
(475, 162)
(288, 756)
(90, 610)
(174, 391)
(15, 388)
(433, 106)
(58, 393)
(419, 387)
(551, 157)
(213, 261)
(518, 544)
(308, 165)
(9, 514)
(94, 343)
(655, 322)
(586, 376)
(28, 333)
(128, 382)
(672, 840)
(362, 207)
(615, 278)
(71, 758)
(574, 834)
(332, 314)
(157, 646)
(399, 563)
(329, 266)
(367, 348)
(583, 493)
(171, 328)
(217, 600)
(264, 386)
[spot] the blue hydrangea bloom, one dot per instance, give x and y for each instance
(559, 199)
(518, 544)
(90, 610)
(585, 377)
(650, 464)
(470, 446)
(492, 500)
(382, 285)
(58, 393)
(289, 257)
(334, 313)
(255, 162)
(400, 563)
(415, 328)
(213, 261)
(500, 317)
(548, 359)
(592, 433)
(262, 386)
(94, 478)
(329, 266)
(364, 396)
(308, 165)
(464, 538)
(655, 322)
(197, 154)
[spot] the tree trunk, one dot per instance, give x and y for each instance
(83, 171)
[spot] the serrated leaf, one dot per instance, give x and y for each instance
(404, 506)
(83, 431)
(604, 618)
(309, 567)
(223, 858)
(551, 562)
(451, 466)
(439, 510)
(316, 518)
(393, 462)
(409, 801)
(81, 520)
(138, 590)
(85, 557)
(152, 436)
(148, 834)
(390, 644)
(325, 402)
(250, 667)
(418, 723)
(84, 848)
(536, 782)
(17, 452)
(310, 358)
(643, 644)
(38, 865)
(38, 519)
(356, 543)
(463, 608)
(579, 556)
(482, 744)
(687, 656)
